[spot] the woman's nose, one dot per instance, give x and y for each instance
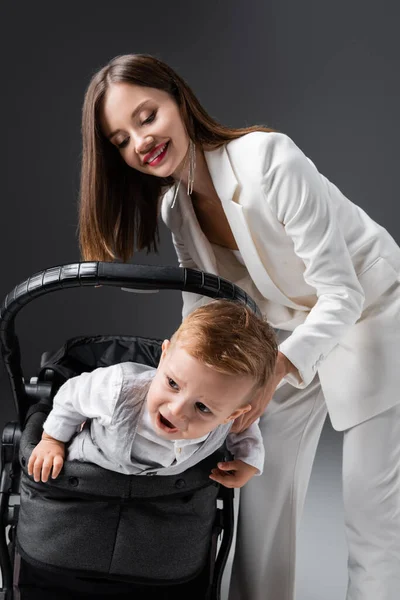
(143, 144)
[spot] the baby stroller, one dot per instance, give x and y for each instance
(94, 533)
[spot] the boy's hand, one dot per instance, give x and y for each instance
(47, 456)
(233, 474)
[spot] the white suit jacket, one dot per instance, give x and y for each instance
(317, 259)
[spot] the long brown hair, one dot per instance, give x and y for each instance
(118, 204)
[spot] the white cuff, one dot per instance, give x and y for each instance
(58, 430)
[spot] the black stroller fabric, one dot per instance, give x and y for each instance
(97, 523)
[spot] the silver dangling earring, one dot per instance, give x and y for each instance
(192, 167)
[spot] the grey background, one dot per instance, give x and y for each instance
(326, 73)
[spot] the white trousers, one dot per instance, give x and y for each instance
(271, 504)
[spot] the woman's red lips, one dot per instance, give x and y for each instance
(156, 155)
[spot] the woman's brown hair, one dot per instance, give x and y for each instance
(118, 210)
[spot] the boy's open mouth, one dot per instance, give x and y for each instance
(166, 425)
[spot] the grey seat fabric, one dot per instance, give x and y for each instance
(103, 522)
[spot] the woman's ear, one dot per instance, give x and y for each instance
(238, 413)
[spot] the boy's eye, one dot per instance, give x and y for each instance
(203, 408)
(149, 119)
(172, 384)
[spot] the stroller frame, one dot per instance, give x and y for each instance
(30, 397)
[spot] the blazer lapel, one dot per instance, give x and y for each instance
(181, 218)
(227, 188)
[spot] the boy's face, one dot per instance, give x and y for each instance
(187, 399)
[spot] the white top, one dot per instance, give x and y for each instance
(317, 259)
(239, 256)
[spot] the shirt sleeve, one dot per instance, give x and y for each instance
(248, 446)
(87, 396)
(299, 197)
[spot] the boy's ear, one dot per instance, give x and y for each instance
(238, 412)
(164, 347)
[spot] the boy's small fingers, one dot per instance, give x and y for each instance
(37, 469)
(226, 466)
(57, 466)
(46, 468)
(218, 472)
(32, 459)
(217, 478)
(228, 482)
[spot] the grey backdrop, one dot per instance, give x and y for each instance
(326, 73)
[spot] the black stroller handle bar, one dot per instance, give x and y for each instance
(84, 274)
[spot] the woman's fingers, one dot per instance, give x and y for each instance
(258, 404)
(245, 420)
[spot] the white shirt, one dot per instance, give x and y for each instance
(120, 435)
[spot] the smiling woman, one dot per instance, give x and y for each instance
(258, 212)
(151, 138)
(134, 108)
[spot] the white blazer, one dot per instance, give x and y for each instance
(317, 260)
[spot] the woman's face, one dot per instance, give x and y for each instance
(146, 127)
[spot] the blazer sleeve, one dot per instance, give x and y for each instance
(297, 194)
(191, 301)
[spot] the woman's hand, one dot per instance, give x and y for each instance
(283, 366)
(47, 456)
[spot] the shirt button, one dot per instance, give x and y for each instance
(179, 450)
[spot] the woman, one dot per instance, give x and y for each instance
(248, 205)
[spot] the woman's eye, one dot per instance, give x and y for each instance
(203, 408)
(172, 384)
(123, 143)
(149, 119)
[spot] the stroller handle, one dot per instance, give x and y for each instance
(84, 274)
